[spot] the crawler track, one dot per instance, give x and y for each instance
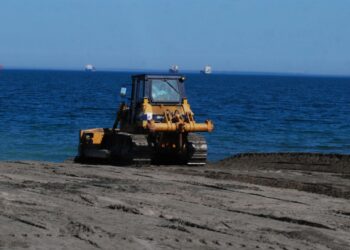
(125, 148)
(132, 149)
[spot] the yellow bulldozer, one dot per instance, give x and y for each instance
(156, 125)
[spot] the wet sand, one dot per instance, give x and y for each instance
(250, 201)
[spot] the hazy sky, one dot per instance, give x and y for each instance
(303, 36)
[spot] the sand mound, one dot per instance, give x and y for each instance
(335, 163)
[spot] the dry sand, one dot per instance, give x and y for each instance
(262, 201)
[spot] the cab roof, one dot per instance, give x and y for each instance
(152, 76)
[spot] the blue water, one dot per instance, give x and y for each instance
(41, 112)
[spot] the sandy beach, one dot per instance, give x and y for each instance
(250, 201)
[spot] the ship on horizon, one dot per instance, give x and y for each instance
(207, 70)
(90, 68)
(174, 69)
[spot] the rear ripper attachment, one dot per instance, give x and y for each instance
(156, 126)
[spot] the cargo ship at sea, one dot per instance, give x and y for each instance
(174, 69)
(207, 70)
(90, 68)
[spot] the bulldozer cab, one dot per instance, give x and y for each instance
(167, 90)
(159, 89)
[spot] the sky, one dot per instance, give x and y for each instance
(289, 36)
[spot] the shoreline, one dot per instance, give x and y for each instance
(316, 156)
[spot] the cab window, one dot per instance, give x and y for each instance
(165, 90)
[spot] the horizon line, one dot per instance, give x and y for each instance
(189, 71)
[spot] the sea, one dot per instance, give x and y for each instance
(42, 111)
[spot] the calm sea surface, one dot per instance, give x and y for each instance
(41, 112)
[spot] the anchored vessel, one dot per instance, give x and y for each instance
(207, 70)
(90, 68)
(174, 69)
(156, 125)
